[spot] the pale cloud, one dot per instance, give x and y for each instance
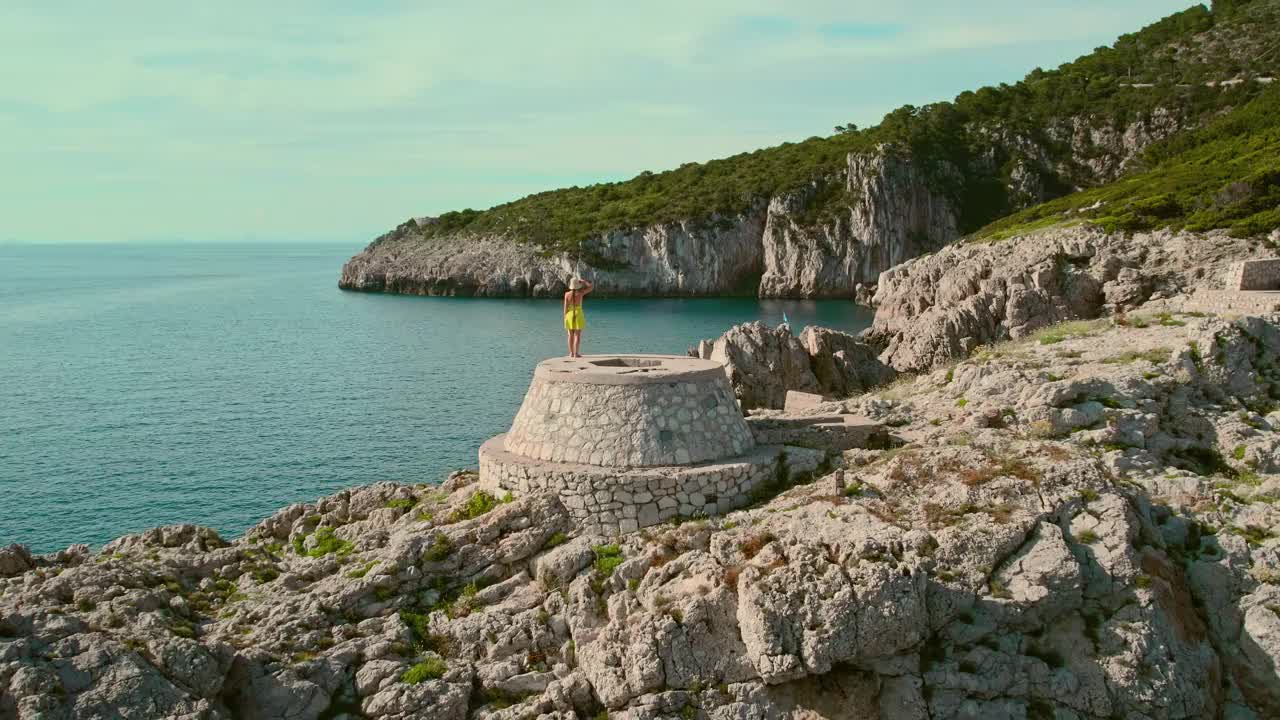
(312, 119)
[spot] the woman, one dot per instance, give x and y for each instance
(574, 321)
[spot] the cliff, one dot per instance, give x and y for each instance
(1081, 525)
(820, 218)
(771, 249)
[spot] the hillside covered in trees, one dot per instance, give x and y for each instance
(1183, 69)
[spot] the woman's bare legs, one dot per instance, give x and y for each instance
(575, 342)
(569, 338)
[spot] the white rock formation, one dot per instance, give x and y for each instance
(1079, 528)
(942, 306)
(764, 363)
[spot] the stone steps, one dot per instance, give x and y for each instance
(830, 433)
(1246, 302)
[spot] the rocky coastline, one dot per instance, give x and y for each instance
(1074, 518)
(894, 207)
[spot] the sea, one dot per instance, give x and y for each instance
(147, 384)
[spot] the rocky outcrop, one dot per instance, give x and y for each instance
(1083, 527)
(721, 256)
(941, 307)
(764, 363)
(773, 249)
(893, 214)
(824, 239)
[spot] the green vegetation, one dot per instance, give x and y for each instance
(478, 504)
(1069, 330)
(1202, 461)
(401, 503)
(429, 669)
(608, 558)
(1225, 175)
(1154, 356)
(1165, 66)
(326, 543)
(1252, 534)
(439, 550)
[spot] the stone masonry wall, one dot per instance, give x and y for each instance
(1254, 275)
(630, 425)
(607, 502)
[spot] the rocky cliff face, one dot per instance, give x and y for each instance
(1080, 529)
(764, 363)
(721, 256)
(774, 249)
(823, 240)
(892, 215)
(937, 308)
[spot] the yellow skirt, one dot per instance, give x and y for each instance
(574, 319)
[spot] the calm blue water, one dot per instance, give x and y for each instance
(151, 384)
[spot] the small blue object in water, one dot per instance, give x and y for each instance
(784, 318)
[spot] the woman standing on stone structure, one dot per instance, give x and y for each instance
(574, 321)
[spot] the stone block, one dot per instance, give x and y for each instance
(1262, 274)
(797, 401)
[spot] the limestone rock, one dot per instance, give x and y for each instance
(765, 364)
(942, 306)
(14, 559)
(1091, 533)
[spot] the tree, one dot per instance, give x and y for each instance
(851, 127)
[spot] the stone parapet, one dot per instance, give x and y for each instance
(609, 501)
(629, 411)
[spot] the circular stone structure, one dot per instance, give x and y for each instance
(628, 441)
(629, 411)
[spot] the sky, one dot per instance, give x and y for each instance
(331, 121)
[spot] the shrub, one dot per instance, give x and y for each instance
(478, 504)
(401, 503)
(327, 543)
(439, 550)
(998, 590)
(1155, 356)
(608, 558)
(429, 669)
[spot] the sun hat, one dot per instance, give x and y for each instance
(575, 284)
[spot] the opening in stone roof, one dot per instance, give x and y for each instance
(626, 362)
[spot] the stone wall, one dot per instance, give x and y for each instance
(1233, 301)
(607, 501)
(1254, 275)
(630, 424)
